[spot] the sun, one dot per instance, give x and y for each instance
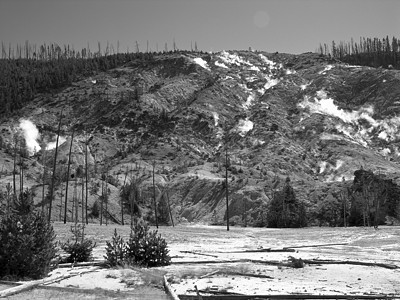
(261, 19)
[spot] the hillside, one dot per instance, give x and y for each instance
(314, 119)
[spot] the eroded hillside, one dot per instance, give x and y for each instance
(305, 116)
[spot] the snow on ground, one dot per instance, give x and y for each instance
(322, 166)
(249, 101)
(221, 65)
(358, 244)
(201, 62)
(327, 68)
(289, 72)
(254, 68)
(270, 63)
(356, 137)
(190, 245)
(270, 82)
(233, 59)
(216, 118)
(245, 126)
(385, 151)
(303, 86)
(52, 145)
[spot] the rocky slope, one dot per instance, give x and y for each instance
(305, 116)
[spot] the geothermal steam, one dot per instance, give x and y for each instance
(31, 134)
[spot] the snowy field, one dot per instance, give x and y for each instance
(238, 262)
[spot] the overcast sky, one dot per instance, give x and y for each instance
(292, 26)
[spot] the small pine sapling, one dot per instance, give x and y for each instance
(115, 250)
(80, 249)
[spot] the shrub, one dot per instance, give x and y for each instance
(80, 249)
(27, 246)
(144, 248)
(115, 251)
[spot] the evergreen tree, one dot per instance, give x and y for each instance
(285, 210)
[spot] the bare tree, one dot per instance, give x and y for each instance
(154, 195)
(87, 174)
(68, 175)
(55, 165)
(226, 188)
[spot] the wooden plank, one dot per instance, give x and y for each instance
(317, 245)
(198, 253)
(83, 264)
(32, 284)
(285, 296)
(349, 262)
(21, 288)
(169, 290)
(279, 263)
(260, 250)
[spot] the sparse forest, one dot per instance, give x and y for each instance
(372, 52)
(31, 69)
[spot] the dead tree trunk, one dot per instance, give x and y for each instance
(15, 166)
(101, 201)
(169, 208)
(154, 195)
(106, 197)
(86, 177)
(68, 169)
(226, 188)
(54, 166)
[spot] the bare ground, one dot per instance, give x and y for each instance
(215, 261)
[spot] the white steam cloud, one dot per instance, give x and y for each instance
(31, 134)
(388, 129)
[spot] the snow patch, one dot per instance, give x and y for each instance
(339, 163)
(216, 118)
(327, 68)
(385, 151)
(383, 135)
(254, 68)
(270, 82)
(221, 65)
(322, 167)
(356, 137)
(250, 99)
(245, 126)
(270, 63)
(232, 59)
(201, 62)
(52, 145)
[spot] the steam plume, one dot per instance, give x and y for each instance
(31, 134)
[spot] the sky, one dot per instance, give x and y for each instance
(290, 26)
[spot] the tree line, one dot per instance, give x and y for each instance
(34, 69)
(369, 200)
(373, 52)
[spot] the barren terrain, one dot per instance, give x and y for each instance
(214, 260)
(246, 261)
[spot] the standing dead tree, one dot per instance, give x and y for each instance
(154, 195)
(55, 165)
(68, 176)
